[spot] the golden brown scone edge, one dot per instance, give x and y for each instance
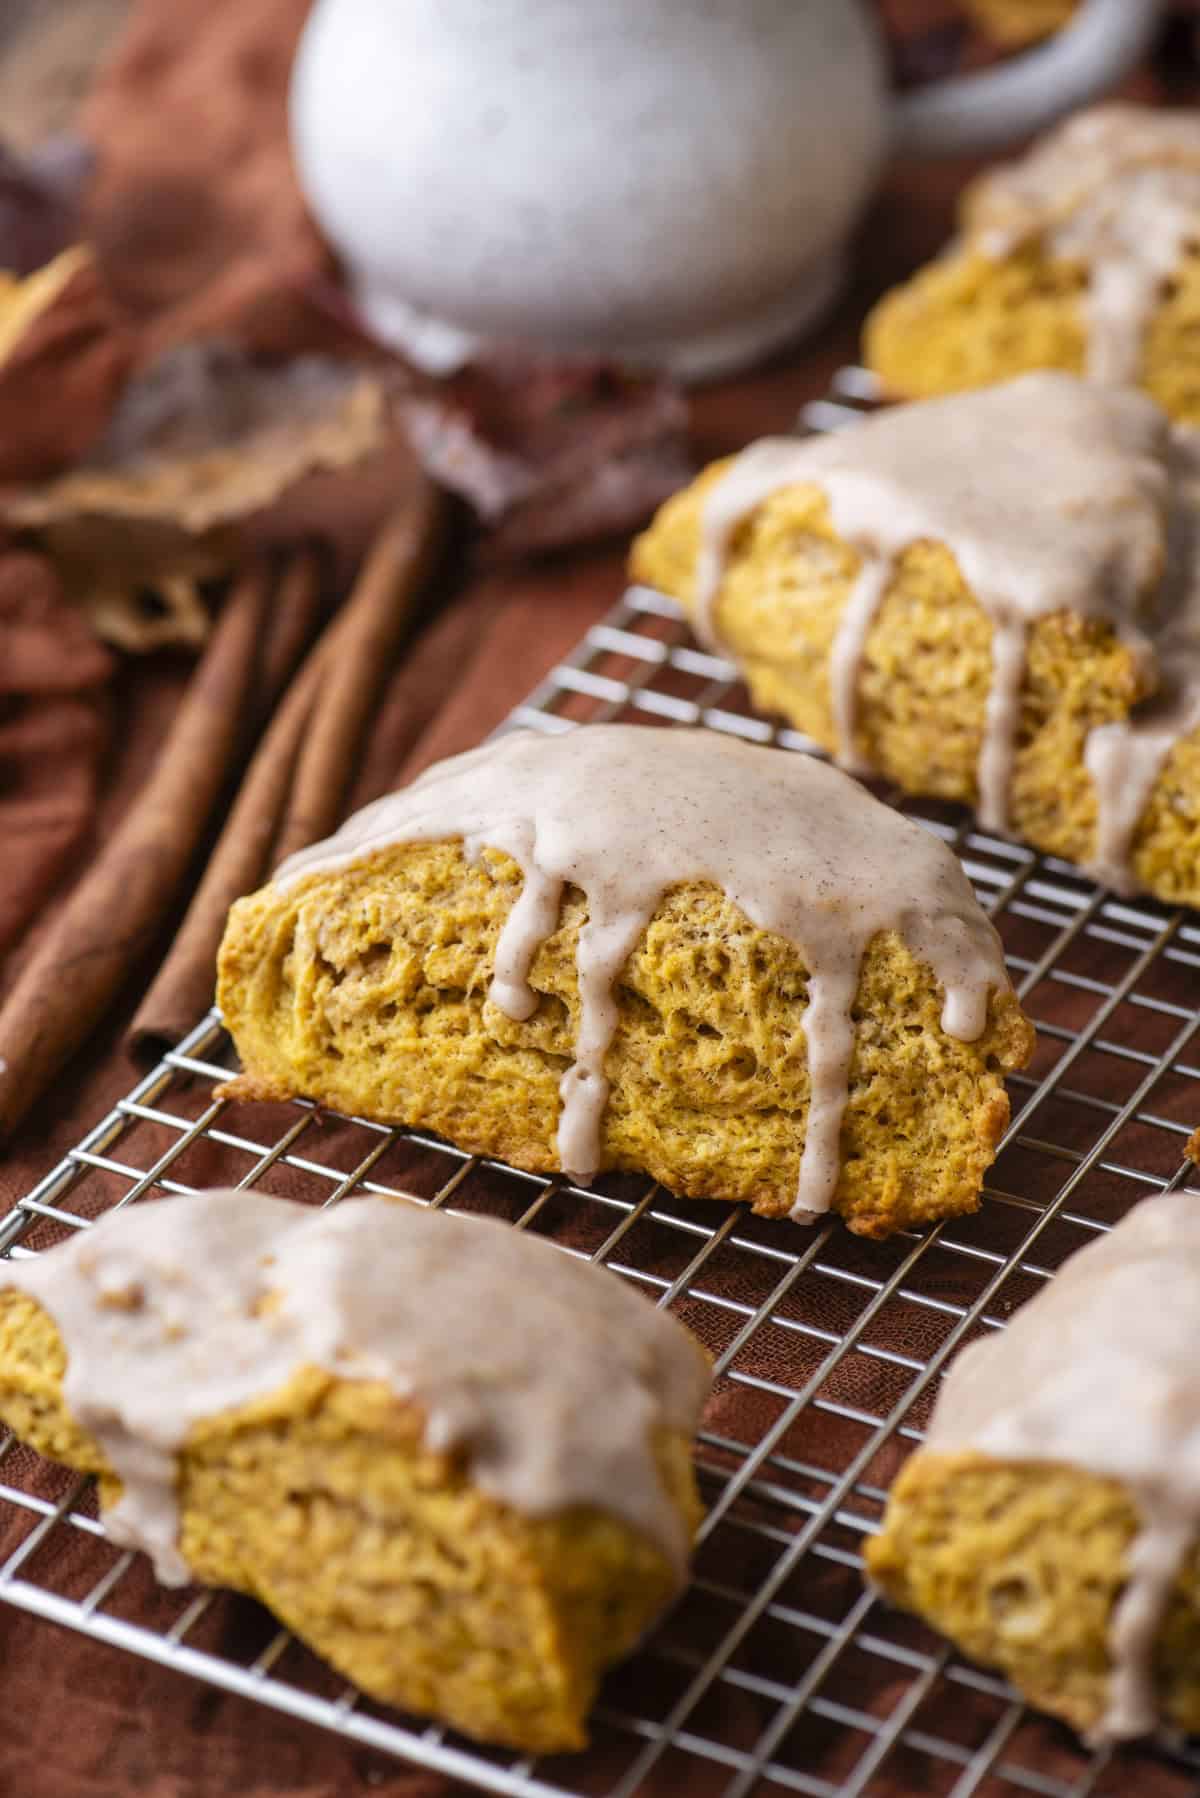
(1020, 1564)
(321, 1500)
(366, 990)
(926, 675)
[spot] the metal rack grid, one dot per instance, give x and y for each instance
(778, 1671)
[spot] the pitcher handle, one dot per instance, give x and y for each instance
(967, 113)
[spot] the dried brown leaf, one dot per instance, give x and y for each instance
(550, 453)
(64, 357)
(205, 436)
(202, 446)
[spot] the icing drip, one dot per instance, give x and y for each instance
(549, 1375)
(1153, 1562)
(846, 656)
(1052, 495)
(1116, 188)
(998, 751)
(1061, 1384)
(1125, 759)
(625, 814)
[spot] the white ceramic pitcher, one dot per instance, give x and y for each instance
(669, 182)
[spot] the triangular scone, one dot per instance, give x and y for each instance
(450, 1456)
(653, 950)
(1083, 256)
(1050, 1523)
(971, 596)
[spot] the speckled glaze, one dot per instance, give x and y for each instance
(625, 813)
(670, 182)
(551, 1378)
(1053, 493)
(1099, 1371)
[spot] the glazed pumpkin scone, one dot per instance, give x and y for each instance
(1050, 1523)
(1083, 256)
(973, 596)
(450, 1456)
(645, 949)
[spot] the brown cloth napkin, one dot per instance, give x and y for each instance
(192, 251)
(53, 735)
(135, 1729)
(197, 219)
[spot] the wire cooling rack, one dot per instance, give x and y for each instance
(778, 1671)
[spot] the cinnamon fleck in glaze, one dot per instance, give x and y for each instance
(552, 1377)
(625, 814)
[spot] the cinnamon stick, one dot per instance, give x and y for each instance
(308, 750)
(183, 985)
(362, 646)
(112, 915)
(295, 611)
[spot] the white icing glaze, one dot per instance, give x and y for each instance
(1101, 1372)
(1125, 759)
(551, 1376)
(1051, 493)
(625, 814)
(1116, 188)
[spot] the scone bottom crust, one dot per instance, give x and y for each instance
(1050, 1523)
(630, 823)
